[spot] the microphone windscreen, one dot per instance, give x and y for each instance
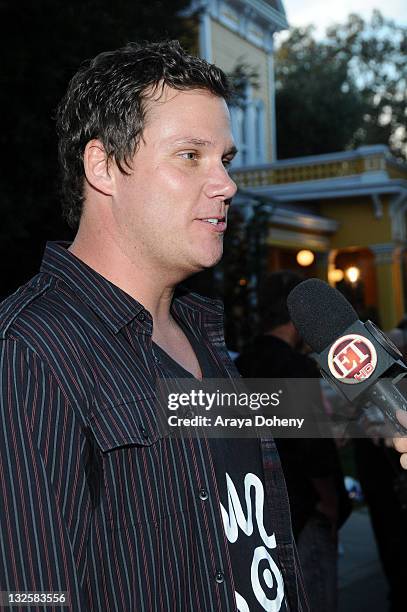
(319, 312)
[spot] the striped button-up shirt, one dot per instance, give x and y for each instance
(93, 500)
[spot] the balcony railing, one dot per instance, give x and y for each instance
(319, 167)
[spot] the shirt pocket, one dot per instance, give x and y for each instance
(133, 475)
(126, 422)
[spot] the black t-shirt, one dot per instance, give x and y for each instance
(239, 473)
(252, 543)
(302, 459)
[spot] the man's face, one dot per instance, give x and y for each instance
(179, 180)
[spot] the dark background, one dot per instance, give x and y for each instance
(42, 44)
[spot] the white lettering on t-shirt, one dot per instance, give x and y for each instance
(235, 519)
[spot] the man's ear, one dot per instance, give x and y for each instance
(97, 167)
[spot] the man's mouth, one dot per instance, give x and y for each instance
(217, 224)
(214, 220)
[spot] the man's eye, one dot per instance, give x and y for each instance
(227, 163)
(190, 155)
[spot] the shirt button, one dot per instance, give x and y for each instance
(141, 316)
(203, 494)
(219, 577)
(144, 432)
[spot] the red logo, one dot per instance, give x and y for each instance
(352, 359)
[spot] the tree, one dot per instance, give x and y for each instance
(343, 91)
(376, 54)
(242, 268)
(43, 43)
(318, 106)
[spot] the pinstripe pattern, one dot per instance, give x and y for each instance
(92, 499)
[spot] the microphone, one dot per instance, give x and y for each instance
(355, 358)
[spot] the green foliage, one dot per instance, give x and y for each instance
(243, 264)
(343, 91)
(43, 44)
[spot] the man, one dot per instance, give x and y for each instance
(95, 501)
(318, 500)
(400, 444)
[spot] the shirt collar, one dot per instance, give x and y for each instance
(113, 305)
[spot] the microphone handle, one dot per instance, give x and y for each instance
(385, 395)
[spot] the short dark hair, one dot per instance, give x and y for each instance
(106, 99)
(272, 298)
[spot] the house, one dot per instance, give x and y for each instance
(339, 216)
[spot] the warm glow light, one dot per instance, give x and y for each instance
(336, 275)
(242, 282)
(305, 257)
(353, 274)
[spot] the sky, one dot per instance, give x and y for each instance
(324, 12)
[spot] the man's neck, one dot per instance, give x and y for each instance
(147, 286)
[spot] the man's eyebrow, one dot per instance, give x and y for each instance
(199, 142)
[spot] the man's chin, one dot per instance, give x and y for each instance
(200, 268)
(212, 261)
(204, 261)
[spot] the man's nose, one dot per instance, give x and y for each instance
(221, 185)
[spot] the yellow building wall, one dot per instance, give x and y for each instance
(360, 228)
(388, 299)
(228, 49)
(358, 225)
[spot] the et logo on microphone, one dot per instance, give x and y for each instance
(352, 359)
